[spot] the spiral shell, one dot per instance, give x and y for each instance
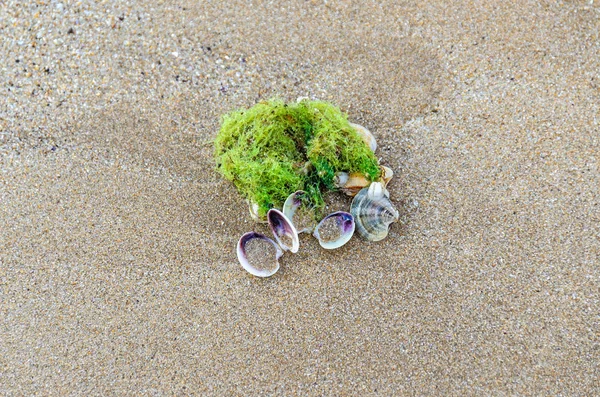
(373, 212)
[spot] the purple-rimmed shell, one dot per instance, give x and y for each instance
(335, 230)
(258, 254)
(298, 210)
(284, 231)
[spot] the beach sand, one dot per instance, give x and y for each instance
(118, 272)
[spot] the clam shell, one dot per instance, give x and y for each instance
(366, 136)
(253, 209)
(335, 230)
(284, 231)
(373, 212)
(297, 209)
(256, 260)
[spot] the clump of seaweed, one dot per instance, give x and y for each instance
(274, 149)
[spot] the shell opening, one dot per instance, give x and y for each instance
(335, 230)
(255, 254)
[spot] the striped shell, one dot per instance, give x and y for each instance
(373, 212)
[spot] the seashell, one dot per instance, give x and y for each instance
(335, 230)
(386, 175)
(350, 183)
(373, 212)
(284, 231)
(298, 210)
(366, 136)
(253, 209)
(340, 179)
(255, 253)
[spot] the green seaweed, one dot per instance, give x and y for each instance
(273, 149)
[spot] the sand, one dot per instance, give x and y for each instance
(118, 271)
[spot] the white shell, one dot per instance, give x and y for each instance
(345, 223)
(253, 209)
(377, 191)
(373, 212)
(386, 175)
(366, 136)
(294, 202)
(341, 179)
(282, 227)
(249, 267)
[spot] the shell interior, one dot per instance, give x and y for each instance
(258, 254)
(373, 212)
(299, 211)
(284, 231)
(335, 230)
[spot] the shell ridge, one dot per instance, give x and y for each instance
(373, 212)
